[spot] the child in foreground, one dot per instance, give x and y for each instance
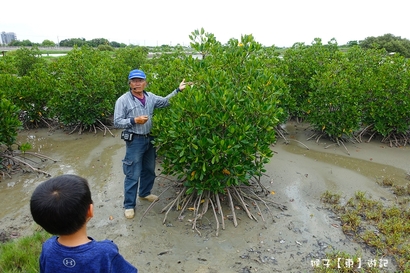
(62, 206)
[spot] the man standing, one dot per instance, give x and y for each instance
(133, 112)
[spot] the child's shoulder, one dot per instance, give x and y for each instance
(50, 241)
(106, 244)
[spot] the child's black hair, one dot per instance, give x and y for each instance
(60, 204)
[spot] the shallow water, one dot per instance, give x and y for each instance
(364, 167)
(87, 155)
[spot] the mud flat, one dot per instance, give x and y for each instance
(287, 241)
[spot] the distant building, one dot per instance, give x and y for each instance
(8, 37)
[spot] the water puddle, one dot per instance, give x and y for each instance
(366, 168)
(89, 155)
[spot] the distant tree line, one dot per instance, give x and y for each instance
(98, 42)
(389, 42)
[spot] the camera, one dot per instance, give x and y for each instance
(127, 136)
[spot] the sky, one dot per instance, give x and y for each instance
(158, 22)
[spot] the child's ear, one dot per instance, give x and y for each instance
(90, 212)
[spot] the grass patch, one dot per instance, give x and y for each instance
(22, 254)
(384, 229)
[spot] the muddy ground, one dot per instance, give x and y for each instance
(285, 241)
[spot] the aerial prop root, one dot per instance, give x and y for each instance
(200, 204)
(100, 126)
(22, 162)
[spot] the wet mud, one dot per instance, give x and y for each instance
(287, 241)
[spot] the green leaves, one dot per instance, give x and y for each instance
(386, 103)
(25, 59)
(341, 94)
(9, 122)
(303, 63)
(216, 133)
(203, 42)
(333, 105)
(85, 89)
(388, 42)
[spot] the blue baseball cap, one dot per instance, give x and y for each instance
(136, 74)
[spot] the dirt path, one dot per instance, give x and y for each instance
(287, 241)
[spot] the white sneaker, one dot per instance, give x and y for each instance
(129, 213)
(150, 198)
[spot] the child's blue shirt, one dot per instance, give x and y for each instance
(95, 256)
